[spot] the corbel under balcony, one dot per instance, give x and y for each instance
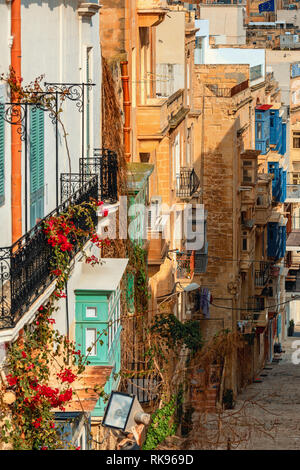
(151, 12)
(88, 9)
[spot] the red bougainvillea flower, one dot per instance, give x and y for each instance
(11, 380)
(44, 448)
(57, 272)
(105, 213)
(51, 321)
(59, 295)
(66, 396)
(67, 376)
(24, 354)
(37, 423)
(92, 260)
(41, 308)
(99, 203)
(78, 353)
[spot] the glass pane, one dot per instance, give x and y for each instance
(90, 341)
(259, 130)
(91, 312)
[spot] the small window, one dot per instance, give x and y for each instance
(296, 140)
(90, 342)
(259, 201)
(91, 312)
(259, 130)
(296, 178)
(144, 157)
(248, 171)
(245, 244)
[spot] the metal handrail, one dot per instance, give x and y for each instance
(25, 267)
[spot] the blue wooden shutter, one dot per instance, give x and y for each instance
(2, 145)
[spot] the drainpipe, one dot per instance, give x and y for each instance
(127, 109)
(16, 143)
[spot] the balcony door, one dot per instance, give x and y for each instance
(37, 164)
(176, 161)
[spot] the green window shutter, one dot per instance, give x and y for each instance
(41, 150)
(36, 165)
(130, 292)
(33, 151)
(2, 145)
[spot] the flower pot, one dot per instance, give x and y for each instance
(290, 331)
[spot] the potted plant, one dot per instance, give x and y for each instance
(291, 328)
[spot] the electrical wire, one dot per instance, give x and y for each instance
(226, 259)
(255, 309)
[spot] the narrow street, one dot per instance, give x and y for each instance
(276, 404)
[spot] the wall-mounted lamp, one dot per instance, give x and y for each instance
(124, 412)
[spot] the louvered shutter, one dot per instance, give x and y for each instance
(2, 144)
(36, 165)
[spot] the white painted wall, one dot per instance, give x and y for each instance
(252, 57)
(170, 53)
(225, 20)
(295, 311)
(5, 209)
(203, 33)
(54, 43)
(227, 55)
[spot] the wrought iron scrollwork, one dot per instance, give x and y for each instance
(5, 294)
(25, 267)
(72, 91)
(15, 114)
(71, 182)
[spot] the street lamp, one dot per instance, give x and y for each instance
(124, 412)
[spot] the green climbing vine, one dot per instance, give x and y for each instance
(164, 423)
(138, 259)
(178, 333)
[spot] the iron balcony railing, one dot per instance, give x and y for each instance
(256, 304)
(142, 384)
(72, 182)
(25, 267)
(228, 92)
(262, 274)
(185, 265)
(104, 164)
(187, 183)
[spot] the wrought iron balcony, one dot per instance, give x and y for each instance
(256, 305)
(228, 92)
(185, 265)
(187, 183)
(262, 274)
(104, 164)
(72, 182)
(25, 268)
